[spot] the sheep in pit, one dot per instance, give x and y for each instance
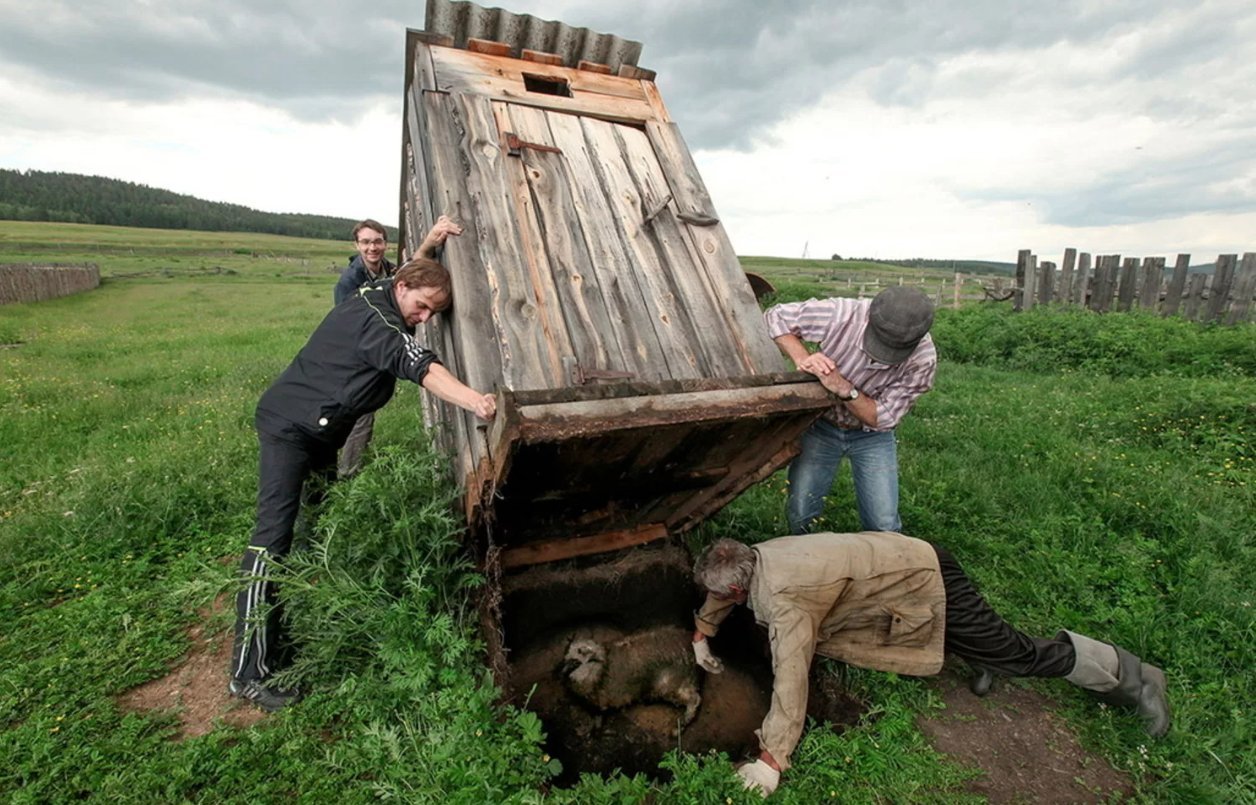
(653, 665)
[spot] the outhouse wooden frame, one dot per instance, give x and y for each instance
(595, 291)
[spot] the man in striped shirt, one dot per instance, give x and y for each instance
(877, 358)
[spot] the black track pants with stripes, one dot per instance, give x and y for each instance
(284, 467)
(977, 633)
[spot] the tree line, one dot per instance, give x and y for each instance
(75, 198)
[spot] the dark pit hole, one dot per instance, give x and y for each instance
(546, 85)
(620, 599)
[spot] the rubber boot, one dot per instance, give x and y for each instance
(982, 680)
(1119, 678)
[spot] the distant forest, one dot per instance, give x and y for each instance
(75, 198)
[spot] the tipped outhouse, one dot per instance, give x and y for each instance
(595, 291)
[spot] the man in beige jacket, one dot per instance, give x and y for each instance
(881, 600)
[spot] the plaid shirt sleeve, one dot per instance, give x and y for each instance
(915, 377)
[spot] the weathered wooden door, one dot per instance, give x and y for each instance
(592, 270)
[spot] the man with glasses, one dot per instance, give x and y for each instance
(877, 358)
(367, 266)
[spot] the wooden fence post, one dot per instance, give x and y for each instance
(959, 282)
(1153, 274)
(1173, 295)
(1081, 283)
(1195, 295)
(1022, 271)
(1129, 276)
(1222, 279)
(1244, 288)
(1065, 292)
(1046, 285)
(1105, 282)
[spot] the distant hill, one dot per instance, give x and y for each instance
(965, 266)
(75, 198)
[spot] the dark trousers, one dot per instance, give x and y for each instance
(977, 633)
(284, 467)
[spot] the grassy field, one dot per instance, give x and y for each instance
(1092, 472)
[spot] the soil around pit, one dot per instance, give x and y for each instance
(1024, 751)
(195, 691)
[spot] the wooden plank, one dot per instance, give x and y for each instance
(1173, 296)
(608, 96)
(412, 227)
(560, 252)
(688, 191)
(1064, 291)
(1105, 282)
(655, 100)
(662, 240)
(1031, 282)
(540, 57)
(1046, 282)
(532, 342)
(665, 313)
(1129, 279)
(428, 38)
(1219, 292)
(595, 67)
(1023, 259)
(476, 310)
(488, 47)
(1153, 273)
(633, 71)
(1081, 282)
(422, 214)
(718, 273)
(712, 253)
(1195, 295)
(553, 550)
(1244, 289)
(610, 268)
(560, 421)
(743, 476)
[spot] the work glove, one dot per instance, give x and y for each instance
(759, 776)
(702, 653)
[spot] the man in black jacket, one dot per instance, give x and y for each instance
(367, 266)
(348, 368)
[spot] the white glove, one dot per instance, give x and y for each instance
(759, 776)
(702, 653)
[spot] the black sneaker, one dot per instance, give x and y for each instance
(268, 698)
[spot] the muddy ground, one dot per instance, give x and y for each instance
(1025, 753)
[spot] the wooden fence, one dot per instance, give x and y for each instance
(1113, 283)
(945, 291)
(28, 282)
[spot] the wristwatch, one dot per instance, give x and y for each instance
(854, 395)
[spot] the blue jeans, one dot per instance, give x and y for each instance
(874, 469)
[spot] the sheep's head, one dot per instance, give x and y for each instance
(585, 662)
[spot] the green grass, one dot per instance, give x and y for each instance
(1082, 477)
(122, 251)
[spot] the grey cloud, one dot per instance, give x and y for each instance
(1220, 179)
(728, 69)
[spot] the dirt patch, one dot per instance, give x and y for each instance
(1025, 752)
(196, 690)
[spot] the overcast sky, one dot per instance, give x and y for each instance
(880, 128)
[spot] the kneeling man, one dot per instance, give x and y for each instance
(881, 600)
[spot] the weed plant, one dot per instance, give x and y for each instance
(1077, 490)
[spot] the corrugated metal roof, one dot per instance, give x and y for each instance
(462, 20)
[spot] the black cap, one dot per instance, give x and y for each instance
(897, 319)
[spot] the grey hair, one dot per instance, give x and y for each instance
(723, 564)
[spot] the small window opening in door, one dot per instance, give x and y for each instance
(546, 85)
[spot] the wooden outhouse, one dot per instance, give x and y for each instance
(595, 291)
